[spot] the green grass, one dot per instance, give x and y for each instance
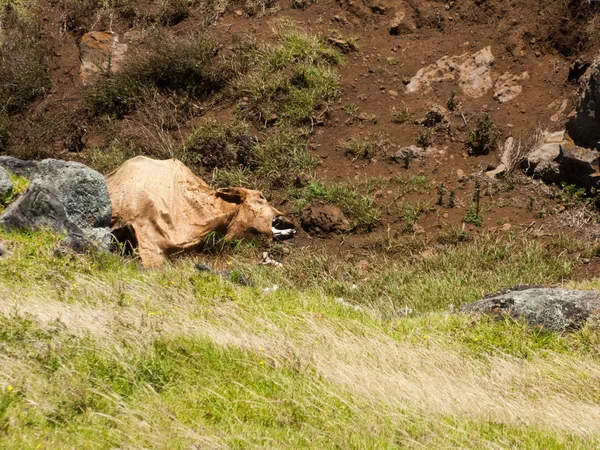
(20, 185)
(288, 82)
(270, 163)
(359, 208)
(97, 353)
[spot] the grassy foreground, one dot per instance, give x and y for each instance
(96, 352)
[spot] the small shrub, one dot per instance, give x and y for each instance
(165, 63)
(441, 192)
(23, 70)
(573, 194)
(410, 214)
(452, 103)
(452, 200)
(483, 138)
(424, 139)
(474, 215)
(351, 109)
(401, 116)
(274, 162)
(356, 149)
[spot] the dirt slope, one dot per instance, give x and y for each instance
(529, 36)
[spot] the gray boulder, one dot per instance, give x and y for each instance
(551, 308)
(5, 183)
(584, 125)
(555, 160)
(65, 196)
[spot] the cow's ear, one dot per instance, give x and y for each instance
(231, 195)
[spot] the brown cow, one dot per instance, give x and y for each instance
(165, 209)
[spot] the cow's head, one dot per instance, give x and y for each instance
(253, 214)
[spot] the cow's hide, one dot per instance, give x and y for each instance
(162, 208)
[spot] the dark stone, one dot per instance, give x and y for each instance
(201, 267)
(65, 196)
(19, 167)
(578, 69)
(551, 308)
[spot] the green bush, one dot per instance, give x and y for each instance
(23, 71)
(287, 82)
(484, 136)
(184, 66)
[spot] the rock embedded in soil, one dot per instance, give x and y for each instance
(322, 220)
(551, 308)
(556, 160)
(100, 52)
(65, 196)
(409, 153)
(6, 185)
(509, 86)
(473, 72)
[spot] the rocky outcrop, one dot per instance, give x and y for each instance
(556, 160)
(551, 308)
(324, 220)
(584, 124)
(472, 72)
(65, 196)
(100, 52)
(5, 183)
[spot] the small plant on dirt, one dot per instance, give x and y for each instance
(358, 149)
(407, 158)
(401, 116)
(474, 215)
(573, 194)
(441, 191)
(484, 136)
(454, 236)
(272, 162)
(410, 214)
(291, 82)
(424, 139)
(452, 103)
(451, 200)
(351, 109)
